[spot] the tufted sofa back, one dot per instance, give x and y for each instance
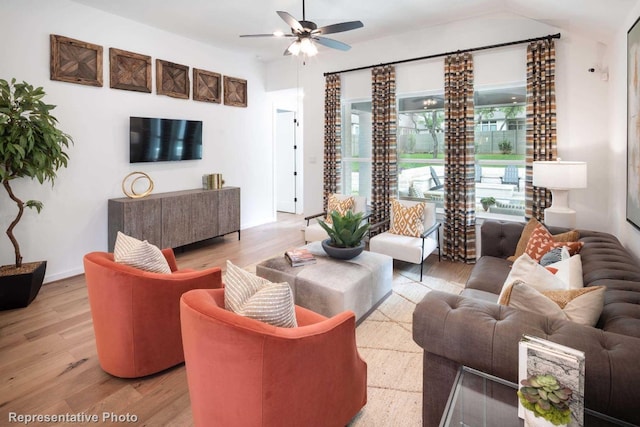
(605, 262)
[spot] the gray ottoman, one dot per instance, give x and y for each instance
(331, 286)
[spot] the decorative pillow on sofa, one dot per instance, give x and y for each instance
(569, 236)
(554, 255)
(528, 270)
(541, 241)
(582, 306)
(139, 254)
(341, 205)
(251, 296)
(569, 271)
(407, 220)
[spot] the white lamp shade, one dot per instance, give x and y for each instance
(560, 174)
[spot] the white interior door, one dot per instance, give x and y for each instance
(285, 166)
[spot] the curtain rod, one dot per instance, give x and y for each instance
(438, 55)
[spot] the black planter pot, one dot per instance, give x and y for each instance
(19, 290)
(342, 253)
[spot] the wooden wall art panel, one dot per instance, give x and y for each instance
(235, 92)
(172, 79)
(75, 61)
(207, 86)
(129, 71)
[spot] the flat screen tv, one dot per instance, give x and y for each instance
(161, 140)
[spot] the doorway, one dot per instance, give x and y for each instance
(286, 162)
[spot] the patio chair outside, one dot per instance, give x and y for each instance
(511, 176)
(478, 173)
(437, 184)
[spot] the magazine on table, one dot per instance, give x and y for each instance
(538, 356)
(299, 257)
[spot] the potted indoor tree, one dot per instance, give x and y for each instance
(346, 234)
(544, 398)
(31, 146)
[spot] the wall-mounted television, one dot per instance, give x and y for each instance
(161, 140)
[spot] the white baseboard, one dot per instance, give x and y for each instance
(48, 278)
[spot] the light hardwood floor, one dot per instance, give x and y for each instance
(48, 361)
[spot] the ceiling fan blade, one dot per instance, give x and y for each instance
(338, 28)
(268, 35)
(334, 44)
(291, 21)
(258, 35)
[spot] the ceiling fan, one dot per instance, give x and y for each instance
(306, 33)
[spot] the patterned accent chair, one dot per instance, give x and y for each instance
(242, 372)
(314, 232)
(409, 248)
(136, 313)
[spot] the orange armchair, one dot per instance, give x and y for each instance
(136, 314)
(242, 372)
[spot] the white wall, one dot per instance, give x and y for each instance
(617, 65)
(582, 98)
(237, 141)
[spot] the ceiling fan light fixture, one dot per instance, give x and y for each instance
(307, 33)
(303, 46)
(308, 48)
(294, 48)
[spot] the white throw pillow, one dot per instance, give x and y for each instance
(139, 254)
(251, 296)
(569, 271)
(529, 271)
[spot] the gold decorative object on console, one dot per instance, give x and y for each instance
(212, 181)
(132, 192)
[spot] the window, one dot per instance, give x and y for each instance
(420, 138)
(500, 145)
(500, 142)
(500, 135)
(356, 148)
(516, 124)
(487, 125)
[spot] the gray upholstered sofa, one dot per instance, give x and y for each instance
(473, 330)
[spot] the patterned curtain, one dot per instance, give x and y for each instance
(459, 234)
(332, 137)
(541, 121)
(384, 168)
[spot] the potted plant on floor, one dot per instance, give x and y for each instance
(31, 146)
(544, 398)
(346, 235)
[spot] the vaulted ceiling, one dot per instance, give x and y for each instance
(220, 22)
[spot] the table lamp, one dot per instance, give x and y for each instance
(560, 177)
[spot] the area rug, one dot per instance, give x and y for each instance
(394, 360)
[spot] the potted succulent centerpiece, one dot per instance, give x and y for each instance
(487, 202)
(31, 146)
(544, 398)
(346, 235)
